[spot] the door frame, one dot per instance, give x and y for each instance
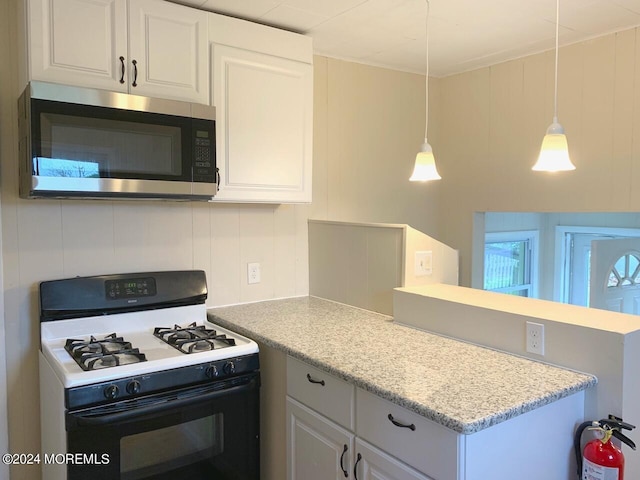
(563, 249)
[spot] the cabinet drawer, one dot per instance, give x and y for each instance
(428, 447)
(322, 392)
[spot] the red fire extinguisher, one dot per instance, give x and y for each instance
(601, 459)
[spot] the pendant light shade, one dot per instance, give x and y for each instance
(554, 152)
(425, 167)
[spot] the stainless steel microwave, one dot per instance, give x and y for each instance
(84, 143)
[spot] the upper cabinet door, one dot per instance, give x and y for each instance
(169, 45)
(163, 52)
(264, 126)
(79, 42)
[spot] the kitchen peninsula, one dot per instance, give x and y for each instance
(465, 394)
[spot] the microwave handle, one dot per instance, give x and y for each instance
(168, 402)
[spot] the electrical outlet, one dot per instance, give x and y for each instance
(423, 263)
(253, 273)
(535, 338)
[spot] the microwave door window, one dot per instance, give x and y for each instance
(81, 147)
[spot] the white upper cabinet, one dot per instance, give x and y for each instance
(262, 87)
(146, 47)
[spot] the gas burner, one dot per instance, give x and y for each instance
(111, 351)
(193, 338)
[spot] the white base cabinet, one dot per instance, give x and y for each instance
(319, 449)
(144, 47)
(321, 438)
(374, 464)
(384, 441)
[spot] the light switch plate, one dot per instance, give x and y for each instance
(423, 263)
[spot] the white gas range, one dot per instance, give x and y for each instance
(130, 364)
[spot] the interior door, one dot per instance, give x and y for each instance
(615, 275)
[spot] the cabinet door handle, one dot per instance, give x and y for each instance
(344, 470)
(411, 427)
(121, 69)
(135, 73)
(355, 467)
(321, 382)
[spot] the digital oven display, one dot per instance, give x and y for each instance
(130, 288)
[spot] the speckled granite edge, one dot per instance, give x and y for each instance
(575, 382)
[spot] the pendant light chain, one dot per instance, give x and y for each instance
(426, 106)
(554, 151)
(425, 166)
(555, 100)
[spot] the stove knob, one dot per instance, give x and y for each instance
(111, 392)
(229, 368)
(211, 372)
(133, 387)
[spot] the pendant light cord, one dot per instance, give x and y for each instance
(426, 106)
(555, 100)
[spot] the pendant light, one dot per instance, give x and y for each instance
(425, 167)
(554, 153)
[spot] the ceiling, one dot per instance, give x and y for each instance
(463, 34)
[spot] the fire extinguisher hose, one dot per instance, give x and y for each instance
(576, 445)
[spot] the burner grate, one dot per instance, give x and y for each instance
(193, 338)
(110, 351)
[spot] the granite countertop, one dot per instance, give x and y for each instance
(462, 386)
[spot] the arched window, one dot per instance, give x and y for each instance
(625, 272)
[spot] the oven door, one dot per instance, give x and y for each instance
(197, 433)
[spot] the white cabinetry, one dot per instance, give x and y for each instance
(374, 464)
(387, 442)
(319, 449)
(146, 47)
(321, 443)
(262, 87)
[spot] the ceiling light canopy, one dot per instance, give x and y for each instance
(554, 152)
(425, 166)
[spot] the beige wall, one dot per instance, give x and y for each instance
(492, 121)
(369, 125)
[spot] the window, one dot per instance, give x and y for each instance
(510, 263)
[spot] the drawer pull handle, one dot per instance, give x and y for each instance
(344, 470)
(355, 467)
(135, 73)
(411, 427)
(121, 69)
(321, 382)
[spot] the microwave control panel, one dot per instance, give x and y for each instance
(204, 151)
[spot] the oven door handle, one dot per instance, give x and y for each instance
(161, 405)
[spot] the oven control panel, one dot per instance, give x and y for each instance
(174, 379)
(130, 288)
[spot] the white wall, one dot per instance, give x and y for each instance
(5, 148)
(361, 263)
